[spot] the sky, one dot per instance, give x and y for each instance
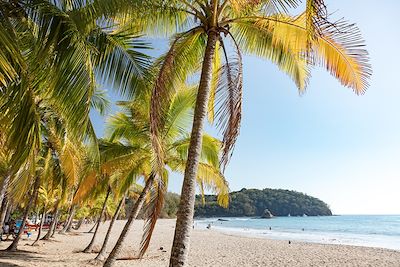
(328, 143)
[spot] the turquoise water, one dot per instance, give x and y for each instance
(360, 230)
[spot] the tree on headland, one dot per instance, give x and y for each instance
(262, 28)
(254, 202)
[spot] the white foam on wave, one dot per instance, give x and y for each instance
(311, 236)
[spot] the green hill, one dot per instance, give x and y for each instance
(253, 202)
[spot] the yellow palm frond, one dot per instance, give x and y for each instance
(338, 48)
(256, 36)
(86, 186)
(70, 160)
(211, 179)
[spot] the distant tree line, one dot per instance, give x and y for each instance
(253, 202)
(249, 202)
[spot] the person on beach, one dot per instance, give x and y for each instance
(6, 231)
(29, 233)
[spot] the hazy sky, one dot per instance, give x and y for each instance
(328, 143)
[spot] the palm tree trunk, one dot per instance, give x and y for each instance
(68, 223)
(53, 223)
(3, 212)
(94, 226)
(9, 210)
(78, 226)
(102, 253)
(184, 220)
(41, 225)
(132, 216)
(32, 199)
(71, 220)
(4, 200)
(89, 247)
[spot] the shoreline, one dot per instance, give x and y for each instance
(208, 248)
(308, 230)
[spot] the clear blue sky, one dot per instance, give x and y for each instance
(328, 143)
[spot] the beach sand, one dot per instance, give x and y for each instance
(208, 248)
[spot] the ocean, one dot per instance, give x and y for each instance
(360, 230)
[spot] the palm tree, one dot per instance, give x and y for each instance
(53, 53)
(45, 198)
(132, 193)
(56, 52)
(89, 247)
(203, 30)
(4, 174)
(131, 129)
(57, 163)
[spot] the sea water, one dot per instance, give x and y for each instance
(360, 230)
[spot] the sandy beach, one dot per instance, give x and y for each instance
(208, 248)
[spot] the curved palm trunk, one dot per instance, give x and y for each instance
(132, 216)
(78, 226)
(41, 225)
(3, 212)
(94, 226)
(184, 220)
(14, 244)
(89, 247)
(9, 210)
(53, 223)
(68, 223)
(69, 226)
(102, 253)
(4, 200)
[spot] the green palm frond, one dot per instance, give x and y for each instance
(100, 101)
(210, 149)
(119, 62)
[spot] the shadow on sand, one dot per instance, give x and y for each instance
(6, 264)
(20, 255)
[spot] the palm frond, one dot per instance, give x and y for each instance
(154, 208)
(211, 179)
(252, 38)
(209, 150)
(181, 60)
(180, 113)
(119, 62)
(21, 120)
(229, 100)
(70, 160)
(100, 101)
(339, 48)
